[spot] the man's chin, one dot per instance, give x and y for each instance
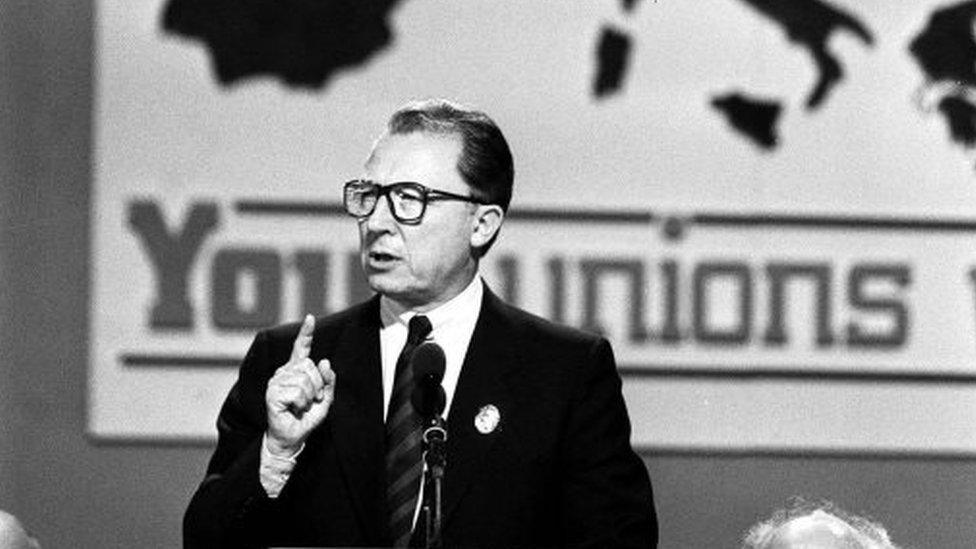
(397, 291)
(385, 283)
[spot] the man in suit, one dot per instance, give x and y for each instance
(318, 442)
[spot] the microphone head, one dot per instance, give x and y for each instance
(428, 364)
(428, 401)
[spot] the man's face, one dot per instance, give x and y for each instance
(422, 265)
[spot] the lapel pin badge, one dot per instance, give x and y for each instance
(487, 419)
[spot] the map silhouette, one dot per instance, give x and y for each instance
(755, 118)
(628, 5)
(302, 42)
(807, 23)
(305, 43)
(810, 23)
(946, 51)
(612, 54)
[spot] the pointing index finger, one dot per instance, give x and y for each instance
(303, 341)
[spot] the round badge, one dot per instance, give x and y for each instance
(487, 419)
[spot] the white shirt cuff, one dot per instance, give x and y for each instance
(275, 470)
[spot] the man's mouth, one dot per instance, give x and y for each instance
(381, 257)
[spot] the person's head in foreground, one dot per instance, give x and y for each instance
(13, 535)
(822, 525)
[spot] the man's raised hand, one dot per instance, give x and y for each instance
(299, 395)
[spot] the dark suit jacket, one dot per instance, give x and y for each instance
(558, 471)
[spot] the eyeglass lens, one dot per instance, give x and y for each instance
(405, 200)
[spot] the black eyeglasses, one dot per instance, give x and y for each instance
(407, 200)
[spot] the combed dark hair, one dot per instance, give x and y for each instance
(485, 162)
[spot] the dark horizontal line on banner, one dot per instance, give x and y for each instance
(289, 208)
(646, 450)
(852, 454)
(626, 371)
(792, 374)
(179, 361)
(150, 441)
(587, 216)
(841, 222)
(335, 209)
(286, 208)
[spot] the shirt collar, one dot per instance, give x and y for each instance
(466, 303)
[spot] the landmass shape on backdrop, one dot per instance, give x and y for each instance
(807, 23)
(301, 42)
(755, 118)
(946, 51)
(305, 43)
(810, 24)
(612, 54)
(628, 5)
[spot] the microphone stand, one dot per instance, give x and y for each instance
(428, 400)
(435, 457)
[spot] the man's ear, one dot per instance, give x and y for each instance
(488, 219)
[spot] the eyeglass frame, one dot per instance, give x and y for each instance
(427, 195)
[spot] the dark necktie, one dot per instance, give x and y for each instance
(403, 452)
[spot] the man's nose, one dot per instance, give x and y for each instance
(381, 220)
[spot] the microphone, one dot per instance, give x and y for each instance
(428, 400)
(428, 396)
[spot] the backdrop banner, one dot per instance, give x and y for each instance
(766, 206)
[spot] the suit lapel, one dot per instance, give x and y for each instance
(485, 380)
(356, 418)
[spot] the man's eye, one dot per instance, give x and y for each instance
(408, 194)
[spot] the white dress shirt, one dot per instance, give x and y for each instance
(452, 325)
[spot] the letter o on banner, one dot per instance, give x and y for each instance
(230, 267)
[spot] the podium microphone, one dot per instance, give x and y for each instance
(428, 400)
(428, 364)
